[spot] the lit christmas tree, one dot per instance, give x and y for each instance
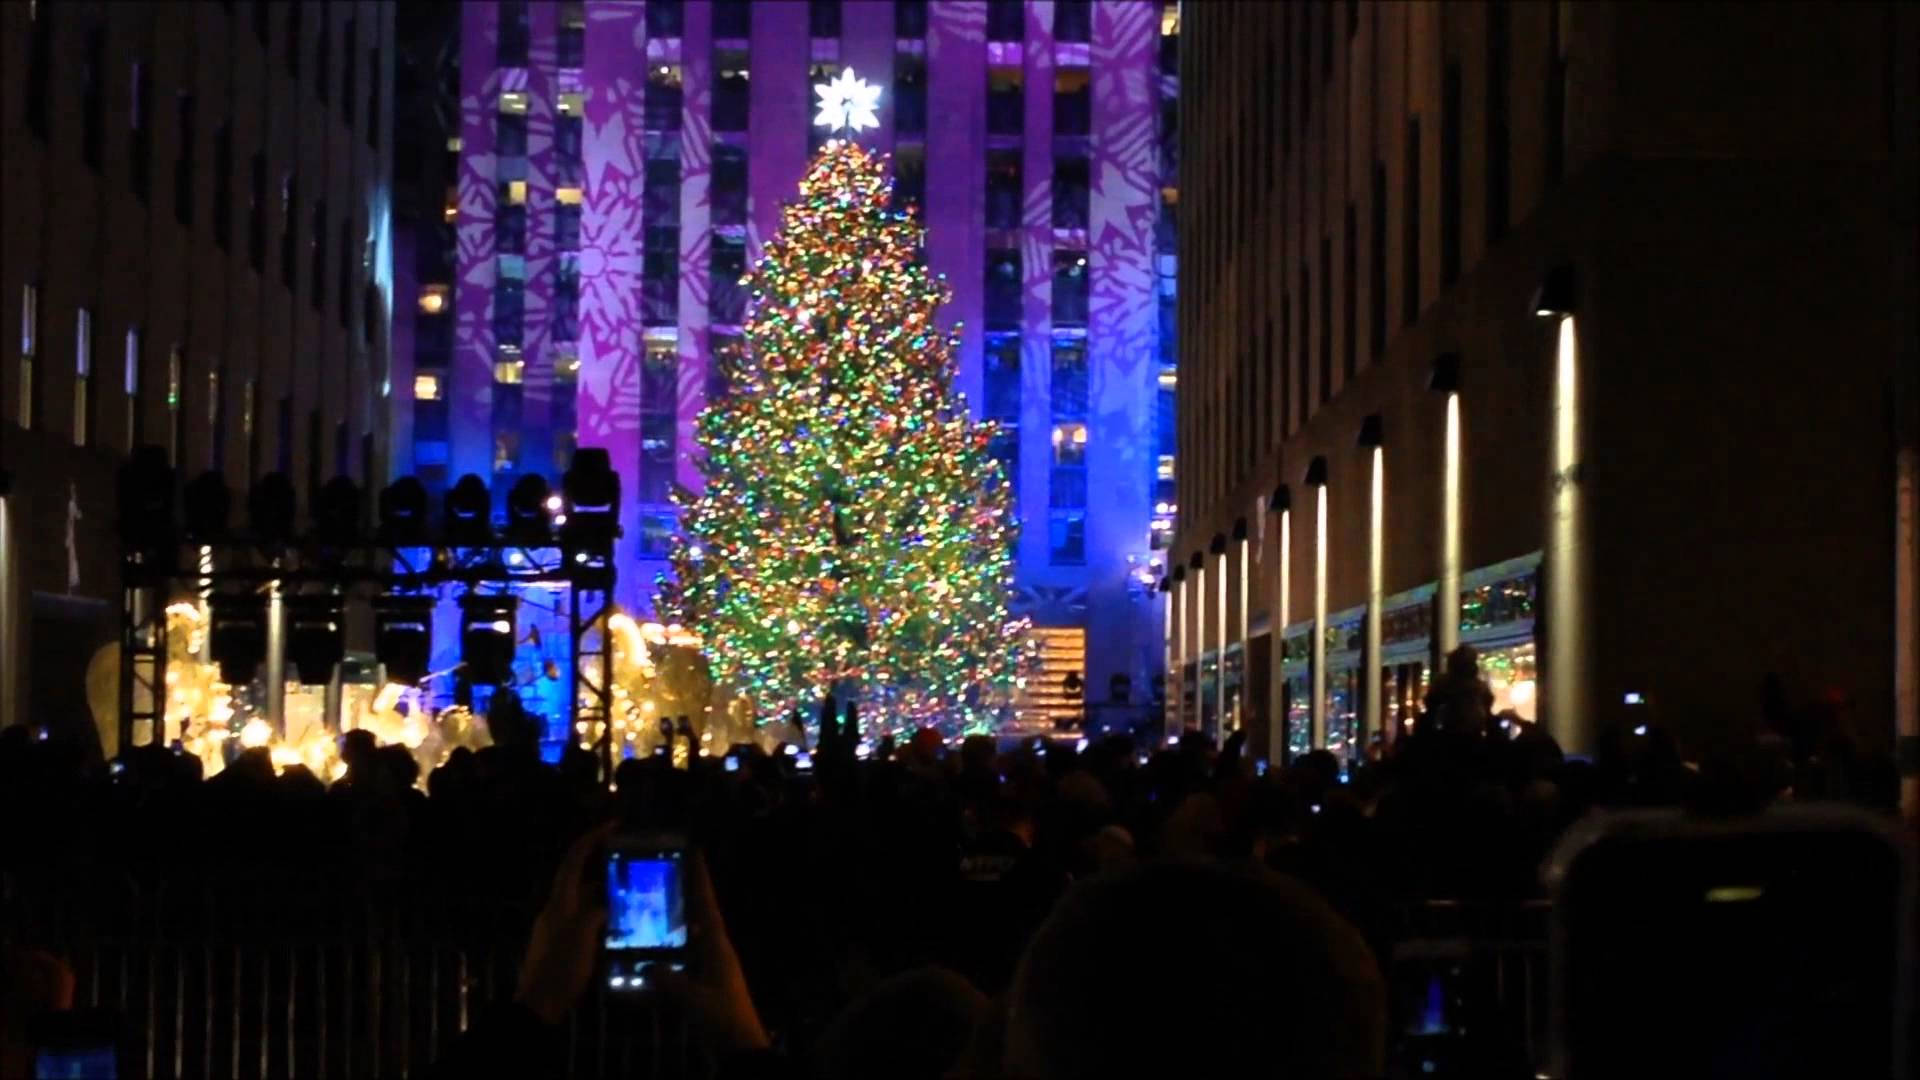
(854, 535)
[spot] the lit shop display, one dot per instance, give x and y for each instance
(1497, 608)
(1345, 672)
(1406, 644)
(1296, 700)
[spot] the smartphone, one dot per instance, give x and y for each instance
(76, 1045)
(1769, 946)
(1260, 766)
(1430, 993)
(803, 761)
(646, 909)
(730, 763)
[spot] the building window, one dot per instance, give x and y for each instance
(731, 99)
(1072, 192)
(566, 301)
(727, 192)
(566, 222)
(323, 59)
(426, 386)
(130, 377)
(910, 18)
(350, 78)
(510, 224)
(183, 164)
(510, 135)
(1450, 176)
(1004, 448)
(1073, 20)
(660, 277)
(249, 431)
(317, 247)
(663, 98)
(1350, 297)
(434, 299)
(659, 378)
(1006, 102)
(1377, 266)
(515, 34)
(909, 94)
(728, 350)
(1070, 444)
(1068, 380)
(823, 18)
(1410, 219)
(1067, 537)
(1072, 101)
(1067, 487)
(29, 348)
(216, 421)
(93, 98)
(373, 99)
(39, 67)
(727, 305)
(257, 211)
(140, 160)
(1003, 189)
(1497, 120)
(656, 458)
(223, 184)
(1002, 375)
(176, 416)
(657, 531)
(571, 46)
(909, 177)
(1006, 20)
(509, 369)
(343, 283)
(509, 311)
(291, 48)
(664, 18)
(290, 220)
(82, 375)
(1070, 288)
(1326, 318)
(1003, 289)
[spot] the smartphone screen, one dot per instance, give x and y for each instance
(646, 914)
(81, 1045)
(1771, 947)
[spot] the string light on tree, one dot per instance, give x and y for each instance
(854, 535)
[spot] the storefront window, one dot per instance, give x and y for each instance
(1512, 600)
(1511, 674)
(1343, 720)
(1299, 713)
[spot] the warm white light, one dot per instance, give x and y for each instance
(501, 626)
(847, 102)
(1520, 694)
(255, 732)
(793, 626)
(554, 503)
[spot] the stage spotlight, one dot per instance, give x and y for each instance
(209, 507)
(403, 512)
(270, 508)
(529, 521)
(403, 635)
(316, 635)
(146, 499)
(335, 509)
(238, 635)
(590, 500)
(469, 512)
(487, 636)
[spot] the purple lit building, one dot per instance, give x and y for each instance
(621, 162)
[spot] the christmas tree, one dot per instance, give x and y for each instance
(853, 536)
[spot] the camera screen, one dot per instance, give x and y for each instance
(93, 1063)
(645, 905)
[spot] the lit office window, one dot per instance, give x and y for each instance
(509, 372)
(426, 386)
(1069, 444)
(513, 102)
(82, 375)
(29, 345)
(433, 299)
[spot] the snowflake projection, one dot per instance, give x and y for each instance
(847, 102)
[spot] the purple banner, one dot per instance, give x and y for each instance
(470, 377)
(956, 171)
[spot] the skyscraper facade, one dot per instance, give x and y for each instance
(620, 165)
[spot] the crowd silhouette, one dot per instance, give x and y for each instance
(920, 908)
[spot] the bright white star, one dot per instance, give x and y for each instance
(847, 102)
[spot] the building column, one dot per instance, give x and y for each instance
(1282, 609)
(469, 389)
(611, 239)
(1177, 682)
(1246, 645)
(535, 454)
(1370, 703)
(1220, 644)
(692, 346)
(1569, 713)
(1319, 647)
(1198, 564)
(1447, 606)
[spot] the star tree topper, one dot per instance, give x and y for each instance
(847, 102)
